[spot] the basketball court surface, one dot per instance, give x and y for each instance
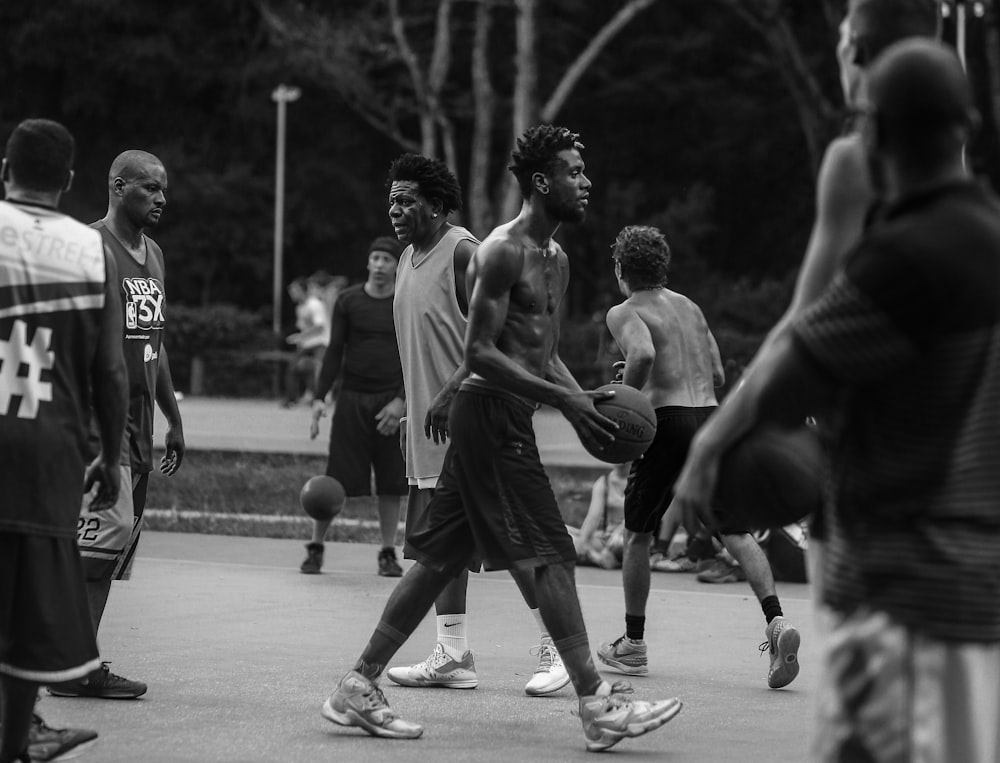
(240, 650)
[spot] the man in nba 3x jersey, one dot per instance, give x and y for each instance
(60, 354)
(137, 185)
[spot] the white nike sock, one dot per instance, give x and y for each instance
(451, 635)
(541, 624)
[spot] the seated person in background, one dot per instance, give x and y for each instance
(599, 540)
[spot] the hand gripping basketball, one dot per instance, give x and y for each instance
(636, 420)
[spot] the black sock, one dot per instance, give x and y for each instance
(771, 607)
(635, 626)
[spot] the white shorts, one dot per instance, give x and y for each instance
(107, 539)
(887, 694)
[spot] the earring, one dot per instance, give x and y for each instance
(434, 215)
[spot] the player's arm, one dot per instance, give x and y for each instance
(498, 268)
(436, 420)
(109, 383)
(635, 342)
(333, 359)
(843, 197)
(166, 399)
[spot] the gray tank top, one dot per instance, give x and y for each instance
(430, 330)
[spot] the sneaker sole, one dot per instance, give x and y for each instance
(351, 719)
(636, 729)
(80, 695)
(629, 670)
(548, 689)
(428, 683)
(788, 649)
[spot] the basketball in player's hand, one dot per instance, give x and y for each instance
(770, 478)
(636, 420)
(322, 497)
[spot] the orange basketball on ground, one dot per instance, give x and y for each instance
(322, 497)
(770, 478)
(636, 420)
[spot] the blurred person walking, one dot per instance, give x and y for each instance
(60, 353)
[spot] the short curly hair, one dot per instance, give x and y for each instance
(538, 151)
(644, 255)
(433, 178)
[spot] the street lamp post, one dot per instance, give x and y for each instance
(282, 95)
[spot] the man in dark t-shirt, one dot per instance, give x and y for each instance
(365, 429)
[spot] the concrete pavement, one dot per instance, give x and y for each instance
(264, 426)
(240, 651)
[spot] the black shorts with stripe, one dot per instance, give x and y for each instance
(46, 635)
(493, 497)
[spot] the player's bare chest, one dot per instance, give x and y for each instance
(541, 286)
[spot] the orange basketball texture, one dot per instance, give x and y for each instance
(770, 478)
(322, 497)
(636, 420)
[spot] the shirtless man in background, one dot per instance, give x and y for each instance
(671, 355)
(494, 498)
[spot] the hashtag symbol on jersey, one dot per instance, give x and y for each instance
(16, 353)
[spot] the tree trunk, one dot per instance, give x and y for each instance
(480, 209)
(524, 99)
(583, 61)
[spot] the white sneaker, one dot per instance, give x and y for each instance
(609, 716)
(550, 675)
(359, 702)
(783, 645)
(438, 670)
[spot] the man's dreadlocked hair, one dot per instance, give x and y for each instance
(644, 256)
(538, 151)
(432, 176)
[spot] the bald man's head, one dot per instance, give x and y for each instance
(137, 186)
(132, 163)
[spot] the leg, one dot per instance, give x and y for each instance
(555, 586)
(409, 602)
(636, 573)
(550, 674)
(357, 700)
(124, 520)
(782, 638)
(15, 715)
(313, 562)
(751, 557)
(607, 717)
(628, 653)
(388, 519)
